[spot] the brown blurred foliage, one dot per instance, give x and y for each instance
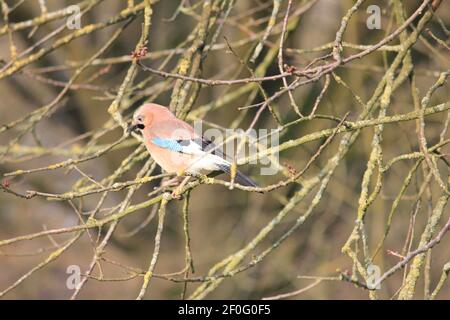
(68, 94)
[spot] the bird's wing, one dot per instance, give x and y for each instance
(209, 147)
(195, 146)
(186, 146)
(209, 156)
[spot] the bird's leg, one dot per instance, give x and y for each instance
(176, 194)
(169, 182)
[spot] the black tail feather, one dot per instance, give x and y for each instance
(244, 180)
(240, 178)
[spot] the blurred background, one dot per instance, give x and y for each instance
(221, 221)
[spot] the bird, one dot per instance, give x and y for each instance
(177, 148)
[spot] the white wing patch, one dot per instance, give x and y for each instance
(204, 160)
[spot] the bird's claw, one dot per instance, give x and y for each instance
(176, 195)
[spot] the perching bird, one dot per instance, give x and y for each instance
(176, 147)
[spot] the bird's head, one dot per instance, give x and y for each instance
(146, 115)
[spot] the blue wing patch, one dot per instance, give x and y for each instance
(170, 144)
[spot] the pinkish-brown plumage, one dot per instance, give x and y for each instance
(160, 122)
(176, 147)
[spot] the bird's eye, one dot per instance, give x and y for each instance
(140, 119)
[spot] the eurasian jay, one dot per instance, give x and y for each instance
(176, 147)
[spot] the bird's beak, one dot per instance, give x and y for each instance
(133, 127)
